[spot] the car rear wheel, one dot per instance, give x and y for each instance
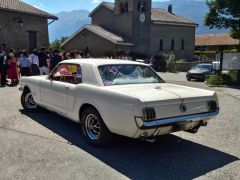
(93, 128)
(28, 102)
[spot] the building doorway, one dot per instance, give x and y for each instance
(32, 40)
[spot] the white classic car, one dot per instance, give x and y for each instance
(118, 97)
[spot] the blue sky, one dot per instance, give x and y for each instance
(54, 6)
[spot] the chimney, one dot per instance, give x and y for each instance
(170, 8)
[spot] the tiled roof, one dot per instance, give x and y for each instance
(108, 5)
(104, 33)
(21, 7)
(163, 15)
(158, 15)
(215, 40)
(100, 31)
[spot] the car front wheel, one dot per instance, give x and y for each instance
(188, 78)
(94, 130)
(28, 102)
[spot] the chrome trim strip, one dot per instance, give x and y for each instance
(179, 119)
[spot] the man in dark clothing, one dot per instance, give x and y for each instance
(2, 68)
(55, 59)
(43, 66)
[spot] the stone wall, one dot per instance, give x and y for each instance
(17, 37)
(120, 24)
(169, 32)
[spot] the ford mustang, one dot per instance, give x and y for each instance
(118, 97)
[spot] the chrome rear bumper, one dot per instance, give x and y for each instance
(171, 121)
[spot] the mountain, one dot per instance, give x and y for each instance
(68, 23)
(195, 10)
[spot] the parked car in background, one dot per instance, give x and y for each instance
(200, 71)
(118, 97)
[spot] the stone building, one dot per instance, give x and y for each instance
(23, 26)
(133, 26)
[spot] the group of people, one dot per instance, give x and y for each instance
(16, 64)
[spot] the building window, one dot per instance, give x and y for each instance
(161, 45)
(126, 6)
(123, 7)
(172, 44)
(142, 6)
(182, 44)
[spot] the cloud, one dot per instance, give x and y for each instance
(96, 1)
(36, 7)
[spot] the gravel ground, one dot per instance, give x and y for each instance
(47, 146)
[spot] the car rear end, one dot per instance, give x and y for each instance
(164, 117)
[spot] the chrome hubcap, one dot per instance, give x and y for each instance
(30, 103)
(92, 126)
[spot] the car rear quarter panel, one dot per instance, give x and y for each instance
(117, 110)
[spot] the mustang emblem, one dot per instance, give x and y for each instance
(183, 108)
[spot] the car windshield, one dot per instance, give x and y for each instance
(204, 66)
(128, 74)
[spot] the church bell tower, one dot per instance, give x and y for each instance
(140, 13)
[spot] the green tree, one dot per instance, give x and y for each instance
(224, 14)
(56, 45)
(64, 38)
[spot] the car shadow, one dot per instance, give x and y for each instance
(171, 157)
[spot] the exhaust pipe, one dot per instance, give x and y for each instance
(195, 129)
(151, 139)
(204, 123)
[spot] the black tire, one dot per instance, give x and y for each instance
(203, 79)
(28, 103)
(188, 78)
(98, 137)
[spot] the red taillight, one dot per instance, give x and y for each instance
(149, 114)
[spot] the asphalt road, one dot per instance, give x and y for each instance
(47, 146)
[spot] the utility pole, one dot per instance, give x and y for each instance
(221, 60)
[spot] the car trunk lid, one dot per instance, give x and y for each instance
(168, 99)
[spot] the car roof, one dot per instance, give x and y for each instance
(98, 62)
(205, 64)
